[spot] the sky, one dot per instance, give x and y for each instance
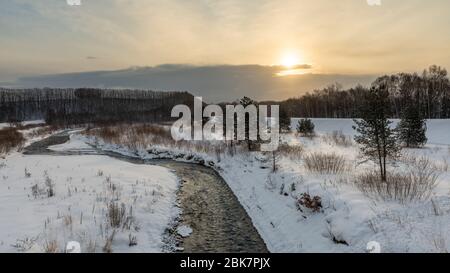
(345, 37)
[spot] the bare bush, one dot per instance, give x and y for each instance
(338, 138)
(293, 152)
(10, 139)
(415, 185)
(325, 163)
(147, 136)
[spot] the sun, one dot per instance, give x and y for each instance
(289, 60)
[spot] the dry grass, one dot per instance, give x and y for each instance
(43, 131)
(107, 248)
(146, 136)
(325, 163)
(415, 185)
(51, 246)
(338, 138)
(292, 152)
(10, 138)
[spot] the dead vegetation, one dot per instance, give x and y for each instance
(415, 184)
(25, 244)
(10, 139)
(293, 152)
(338, 138)
(51, 246)
(312, 203)
(146, 136)
(325, 163)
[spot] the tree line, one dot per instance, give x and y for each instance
(88, 105)
(428, 91)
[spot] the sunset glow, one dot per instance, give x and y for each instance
(289, 60)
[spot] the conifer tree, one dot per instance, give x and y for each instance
(305, 127)
(412, 127)
(378, 142)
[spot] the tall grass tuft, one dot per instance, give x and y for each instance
(325, 163)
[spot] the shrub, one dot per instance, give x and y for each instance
(305, 127)
(325, 163)
(10, 138)
(412, 127)
(338, 138)
(293, 152)
(312, 203)
(415, 185)
(147, 136)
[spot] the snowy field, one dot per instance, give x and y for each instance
(84, 187)
(347, 222)
(438, 129)
(349, 219)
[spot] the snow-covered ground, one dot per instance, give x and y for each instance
(30, 122)
(83, 186)
(349, 219)
(438, 129)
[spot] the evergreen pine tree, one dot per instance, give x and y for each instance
(285, 121)
(305, 127)
(412, 127)
(378, 142)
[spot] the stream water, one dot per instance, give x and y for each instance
(218, 221)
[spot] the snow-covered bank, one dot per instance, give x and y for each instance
(24, 123)
(83, 188)
(346, 222)
(348, 219)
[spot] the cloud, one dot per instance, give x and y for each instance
(48, 36)
(213, 82)
(91, 58)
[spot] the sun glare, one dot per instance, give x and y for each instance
(289, 60)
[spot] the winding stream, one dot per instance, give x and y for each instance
(209, 207)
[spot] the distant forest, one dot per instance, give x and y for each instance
(429, 92)
(87, 105)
